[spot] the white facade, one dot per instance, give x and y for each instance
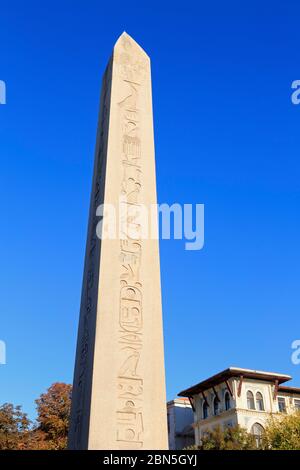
(240, 396)
(180, 424)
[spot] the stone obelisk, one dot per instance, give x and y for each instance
(119, 397)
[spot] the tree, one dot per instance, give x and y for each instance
(51, 429)
(53, 409)
(283, 433)
(14, 427)
(231, 438)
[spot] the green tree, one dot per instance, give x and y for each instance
(283, 433)
(230, 438)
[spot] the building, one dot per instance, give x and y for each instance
(180, 423)
(240, 397)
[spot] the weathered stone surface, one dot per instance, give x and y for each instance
(119, 384)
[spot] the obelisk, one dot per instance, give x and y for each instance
(118, 399)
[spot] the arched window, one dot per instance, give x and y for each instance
(257, 430)
(216, 406)
(259, 402)
(250, 401)
(205, 410)
(227, 401)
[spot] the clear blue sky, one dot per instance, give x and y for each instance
(227, 135)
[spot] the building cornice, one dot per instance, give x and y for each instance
(234, 372)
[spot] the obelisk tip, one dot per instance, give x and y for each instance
(125, 41)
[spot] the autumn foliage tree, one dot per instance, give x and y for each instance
(53, 409)
(50, 432)
(14, 427)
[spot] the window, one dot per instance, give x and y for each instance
(281, 405)
(205, 410)
(250, 400)
(297, 404)
(216, 406)
(227, 401)
(259, 402)
(257, 430)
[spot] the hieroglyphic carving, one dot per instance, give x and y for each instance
(131, 183)
(90, 286)
(130, 63)
(131, 70)
(131, 309)
(118, 348)
(130, 426)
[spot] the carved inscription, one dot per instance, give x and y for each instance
(89, 296)
(129, 416)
